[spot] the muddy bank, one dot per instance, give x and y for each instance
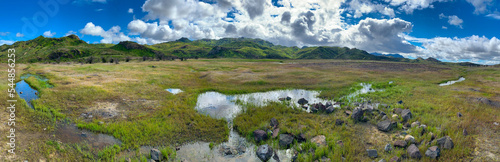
(69, 133)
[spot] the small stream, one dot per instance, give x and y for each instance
(26, 92)
(452, 82)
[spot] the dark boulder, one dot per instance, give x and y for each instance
(407, 125)
(395, 159)
(397, 110)
(406, 114)
(414, 152)
(432, 136)
(357, 114)
(372, 153)
(385, 125)
(433, 152)
(400, 143)
(285, 140)
(302, 101)
(313, 109)
(330, 109)
(339, 122)
(365, 119)
(226, 150)
(301, 137)
(274, 123)
(156, 154)
(321, 107)
(264, 152)
(259, 135)
(328, 104)
(445, 142)
(388, 148)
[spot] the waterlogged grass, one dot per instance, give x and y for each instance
(150, 116)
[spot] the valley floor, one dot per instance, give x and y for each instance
(128, 101)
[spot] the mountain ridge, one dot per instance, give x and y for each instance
(71, 48)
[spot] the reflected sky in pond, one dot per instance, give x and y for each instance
(219, 105)
(28, 94)
(174, 90)
(452, 82)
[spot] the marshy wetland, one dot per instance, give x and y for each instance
(121, 112)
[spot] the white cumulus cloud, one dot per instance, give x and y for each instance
(494, 16)
(473, 48)
(452, 20)
(410, 5)
(130, 10)
(8, 42)
(49, 34)
(480, 6)
(360, 7)
(113, 35)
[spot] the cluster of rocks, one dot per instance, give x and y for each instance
(101, 113)
(232, 150)
(408, 142)
(265, 152)
(412, 150)
(366, 111)
(87, 115)
(285, 139)
(328, 107)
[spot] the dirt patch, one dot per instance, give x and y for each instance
(104, 110)
(485, 101)
(487, 143)
(374, 137)
(69, 133)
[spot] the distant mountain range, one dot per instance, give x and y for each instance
(388, 55)
(71, 48)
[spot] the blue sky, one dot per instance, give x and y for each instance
(449, 30)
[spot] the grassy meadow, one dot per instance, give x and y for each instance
(151, 116)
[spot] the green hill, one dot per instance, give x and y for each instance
(71, 48)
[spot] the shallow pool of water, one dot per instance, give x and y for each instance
(26, 92)
(218, 105)
(69, 133)
(452, 82)
(366, 88)
(174, 90)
